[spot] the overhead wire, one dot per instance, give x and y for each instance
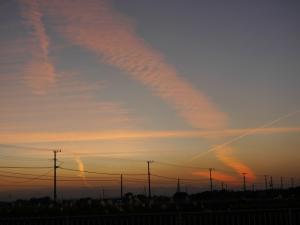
(181, 166)
(26, 147)
(102, 173)
(25, 167)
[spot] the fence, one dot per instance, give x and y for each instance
(247, 217)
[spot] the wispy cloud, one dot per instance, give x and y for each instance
(228, 159)
(225, 155)
(39, 72)
(72, 104)
(217, 175)
(253, 131)
(97, 27)
(81, 174)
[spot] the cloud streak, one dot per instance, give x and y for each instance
(225, 156)
(39, 72)
(219, 176)
(246, 133)
(81, 174)
(35, 137)
(96, 26)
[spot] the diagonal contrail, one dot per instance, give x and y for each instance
(39, 71)
(248, 133)
(96, 26)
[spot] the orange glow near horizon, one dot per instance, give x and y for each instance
(219, 176)
(36, 137)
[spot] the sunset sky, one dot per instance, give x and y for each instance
(189, 84)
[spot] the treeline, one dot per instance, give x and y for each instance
(180, 201)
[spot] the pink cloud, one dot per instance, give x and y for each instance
(226, 156)
(97, 27)
(219, 176)
(39, 73)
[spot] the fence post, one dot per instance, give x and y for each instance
(179, 219)
(290, 217)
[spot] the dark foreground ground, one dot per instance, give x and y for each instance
(217, 208)
(244, 217)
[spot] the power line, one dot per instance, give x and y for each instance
(193, 167)
(26, 147)
(62, 180)
(17, 173)
(168, 178)
(25, 167)
(88, 180)
(25, 178)
(36, 177)
(102, 173)
(22, 158)
(176, 178)
(85, 155)
(181, 166)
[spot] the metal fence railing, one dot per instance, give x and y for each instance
(245, 217)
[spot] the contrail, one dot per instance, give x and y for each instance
(81, 169)
(96, 26)
(226, 157)
(251, 132)
(39, 71)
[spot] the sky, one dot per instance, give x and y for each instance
(189, 84)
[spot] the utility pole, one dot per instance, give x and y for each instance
(244, 181)
(210, 178)
(178, 184)
(266, 181)
(281, 183)
(271, 183)
(253, 187)
(149, 178)
(292, 182)
(121, 186)
(54, 178)
(222, 186)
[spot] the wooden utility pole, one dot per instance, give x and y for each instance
(54, 178)
(149, 178)
(244, 181)
(121, 183)
(210, 178)
(266, 181)
(178, 185)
